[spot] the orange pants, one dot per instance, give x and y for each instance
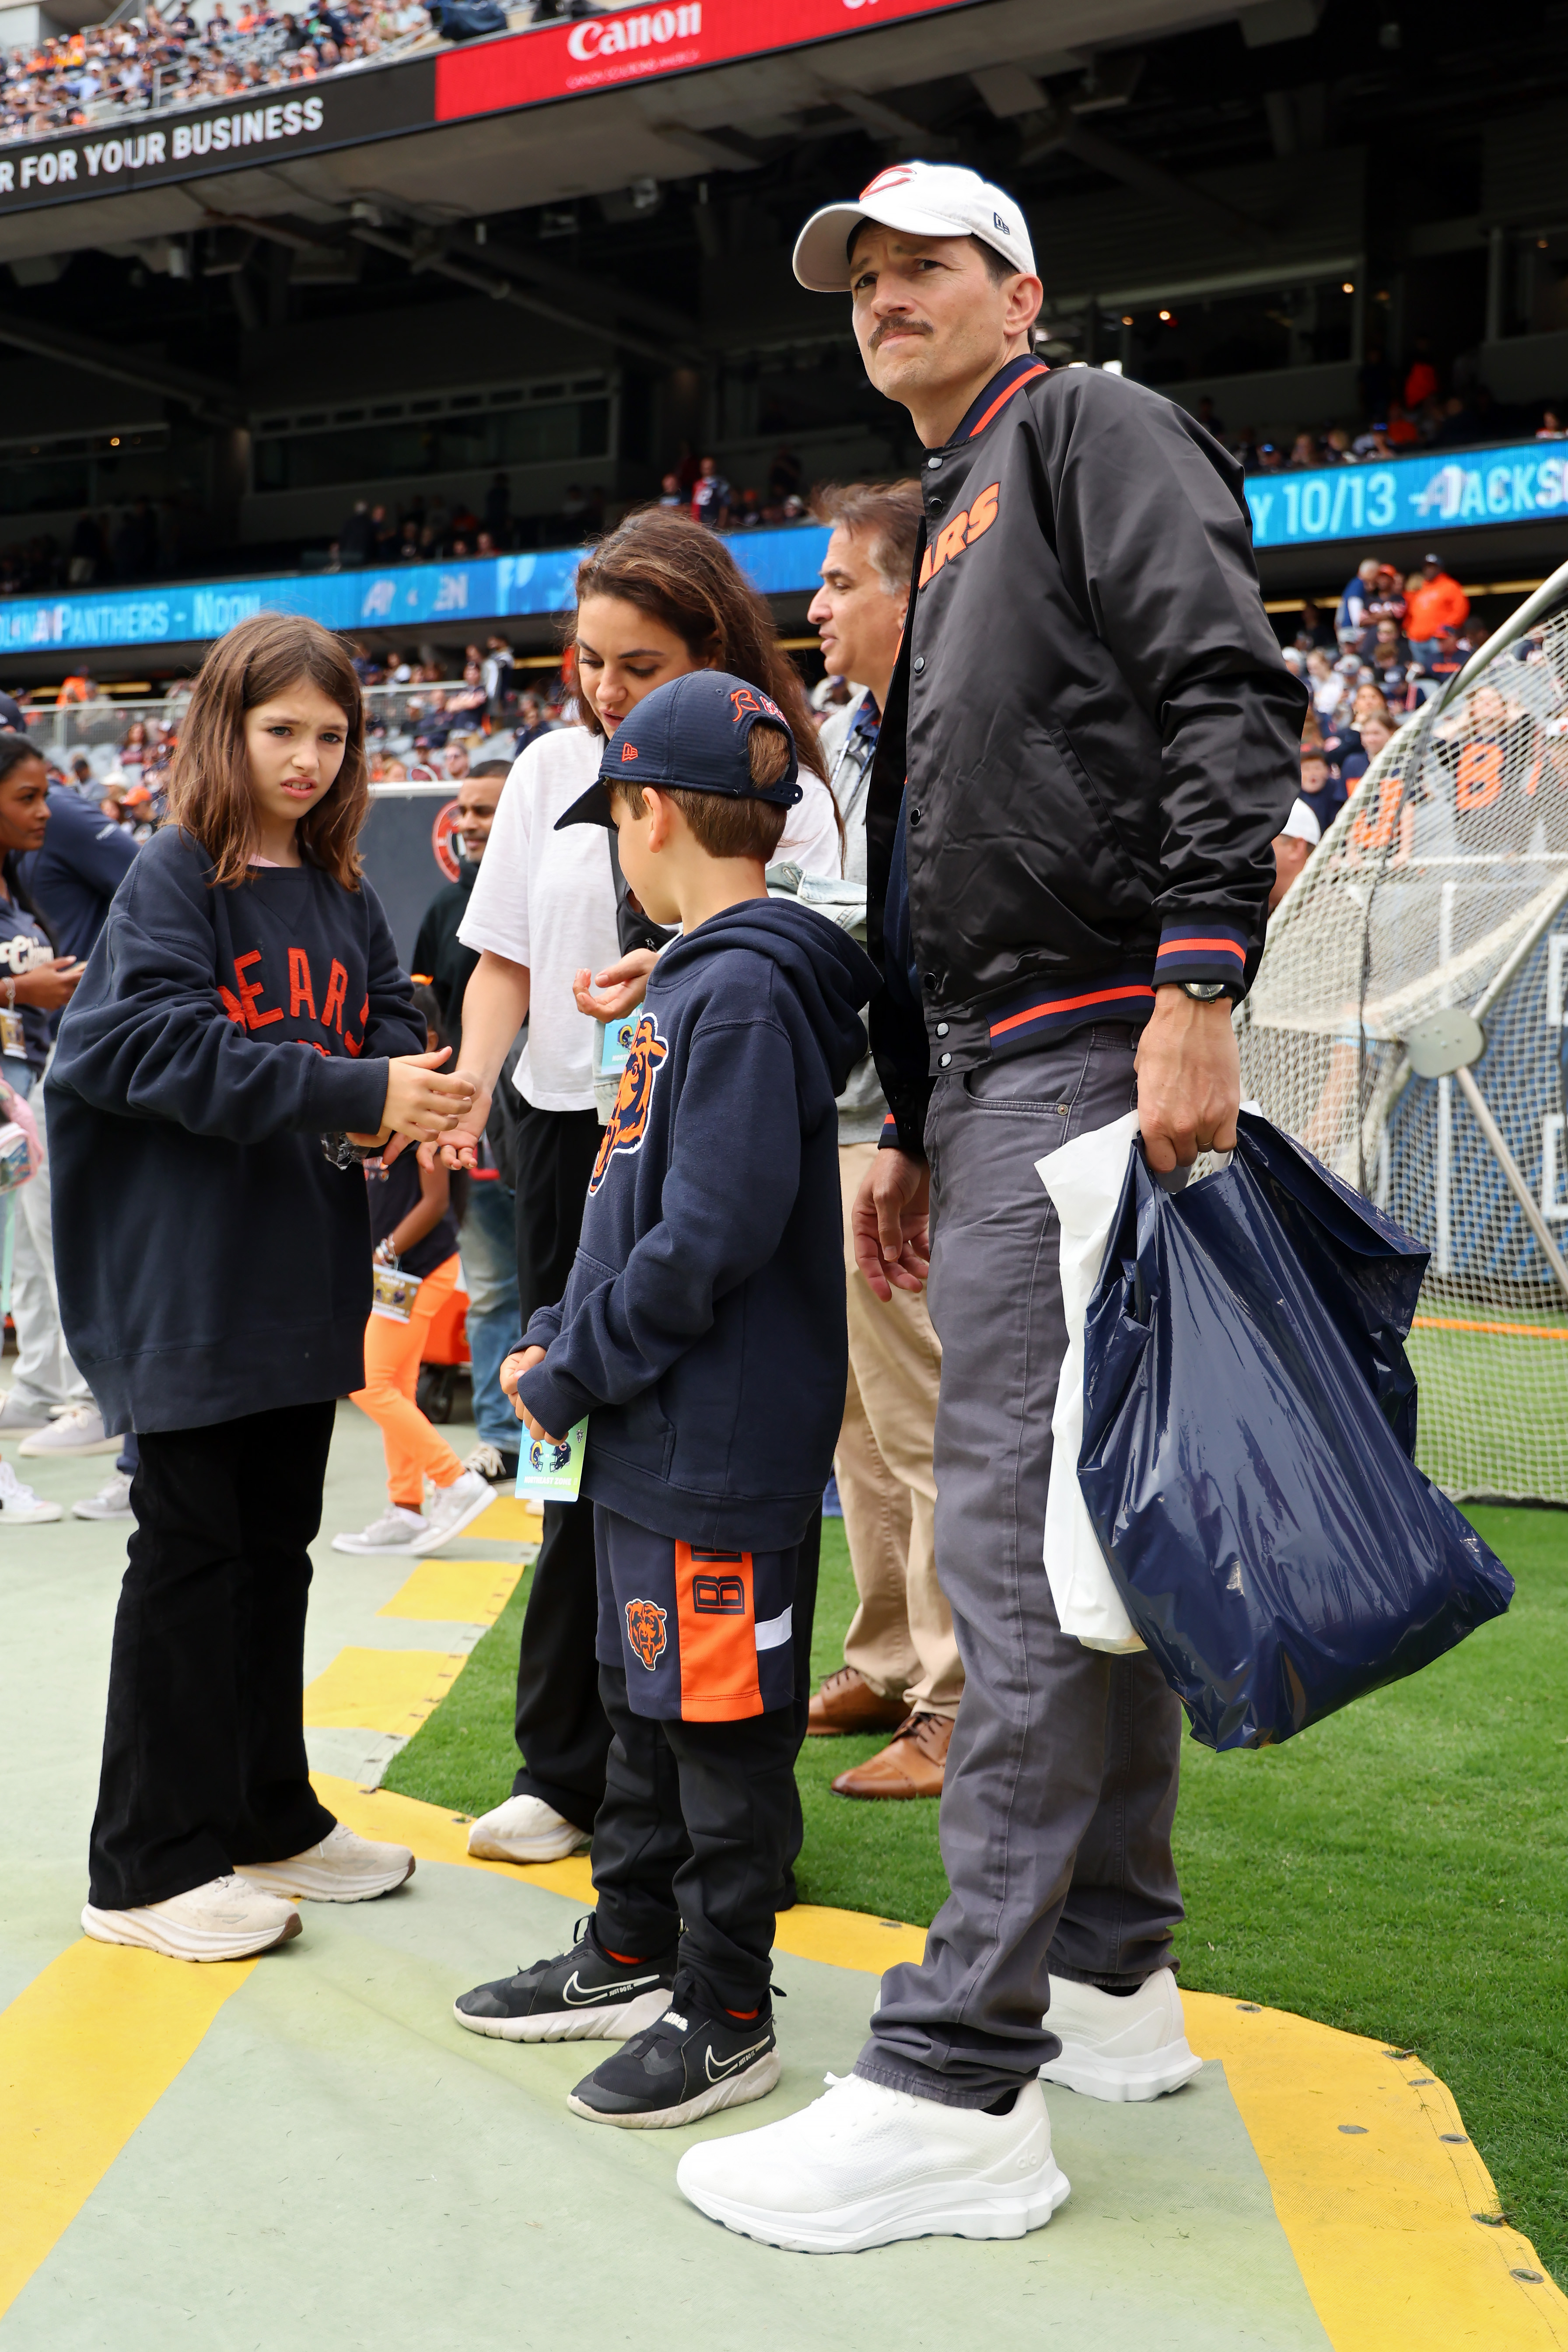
(415, 1448)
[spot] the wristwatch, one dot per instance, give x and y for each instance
(1203, 991)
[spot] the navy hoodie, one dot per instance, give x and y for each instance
(703, 1326)
(211, 1262)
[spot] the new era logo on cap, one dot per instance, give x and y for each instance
(922, 200)
(628, 750)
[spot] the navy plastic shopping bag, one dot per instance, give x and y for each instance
(1249, 1419)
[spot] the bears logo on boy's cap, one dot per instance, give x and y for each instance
(694, 735)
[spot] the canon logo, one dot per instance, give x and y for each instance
(602, 36)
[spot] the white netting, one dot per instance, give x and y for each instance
(1443, 882)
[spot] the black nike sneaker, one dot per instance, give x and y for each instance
(687, 2065)
(582, 1995)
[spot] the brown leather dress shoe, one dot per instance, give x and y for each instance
(848, 1703)
(911, 1765)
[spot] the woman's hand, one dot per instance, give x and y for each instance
(50, 985)
(421, 1099)
(624, 986)
(511, 1372)
(460, 1144)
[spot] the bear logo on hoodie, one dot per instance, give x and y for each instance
(634, 1098)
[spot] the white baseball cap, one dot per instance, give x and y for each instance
(1301, 824)
(922, 199)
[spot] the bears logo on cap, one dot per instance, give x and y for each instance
(746, 699)
(645, 1631)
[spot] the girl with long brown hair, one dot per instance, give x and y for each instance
(658, 597)
(241, 1033)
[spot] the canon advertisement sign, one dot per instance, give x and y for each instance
(537, 67)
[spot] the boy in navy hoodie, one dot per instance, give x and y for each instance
(702, 1333)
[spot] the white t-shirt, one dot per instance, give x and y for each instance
(547, 900)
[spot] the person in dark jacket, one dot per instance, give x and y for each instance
(242, 1007)
(1099, 739)
(703, 1338)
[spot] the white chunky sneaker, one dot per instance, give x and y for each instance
(19, 1507)
(525, 1829)
(223, 1920)
(16, 1417)
(866, 2166)
(454, 1508)
(342, 1869)
(396, 1530)
(112, 1500)
(1114, 2047)
(79, 1430)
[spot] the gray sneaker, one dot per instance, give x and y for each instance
(79, 1430)
(452, 1508)
(15, 1417)
(396, 1530)
(112, 1500)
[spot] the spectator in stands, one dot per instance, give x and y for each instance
(1421, 380)
(711, 495)
(670, 493)
(532, 719)
(901, 1672)
(1303, 452)
(1314, 630)
(1446, 658)
(1324, 682)
(498, 670)
(1292, 847)
(1551, 426)
(1386, 602)
(1439, 602)
(1376, 730)
(1323, 792)
(1350, 620)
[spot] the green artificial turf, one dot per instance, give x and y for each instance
(1400, 1871)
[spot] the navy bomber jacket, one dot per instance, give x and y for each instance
(702, 1330)
(1099, 737)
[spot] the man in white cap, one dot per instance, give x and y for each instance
(1101, 742)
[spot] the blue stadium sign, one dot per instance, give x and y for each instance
(1523, 482)
(381, 604)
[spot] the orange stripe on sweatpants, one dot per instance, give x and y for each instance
(715, 1607)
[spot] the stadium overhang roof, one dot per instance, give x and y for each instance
(562, 110)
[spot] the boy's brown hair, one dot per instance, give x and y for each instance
(210, 795)
(726, 827)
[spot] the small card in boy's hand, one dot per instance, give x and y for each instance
(551, 1468)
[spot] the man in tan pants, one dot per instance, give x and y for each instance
(901, 1670)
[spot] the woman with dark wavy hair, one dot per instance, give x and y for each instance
(660, 596)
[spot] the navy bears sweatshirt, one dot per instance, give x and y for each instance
(703, 1328)
(211, 1262)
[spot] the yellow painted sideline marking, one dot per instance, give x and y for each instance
(380, 1690)
(1379, 2220)
(86, 2052)
(459, 1592)
(509, 1520)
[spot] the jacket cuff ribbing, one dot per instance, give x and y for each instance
(344, 1097)
(1201, 949)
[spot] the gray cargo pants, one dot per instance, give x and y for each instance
(1062, 1779)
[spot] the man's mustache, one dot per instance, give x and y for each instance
(898, 327)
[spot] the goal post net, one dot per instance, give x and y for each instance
(1406, 1024)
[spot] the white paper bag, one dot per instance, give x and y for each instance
(1084, 1179)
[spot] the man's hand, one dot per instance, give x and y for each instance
(511, 1372)
(890, 1222)
(1189, 1081)
(609, 995)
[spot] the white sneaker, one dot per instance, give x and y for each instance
(452, 1508)
(866, 2166)
(112, 1500)
(15, 1417)
(19, 1507)
(395, 1531)
(342, 1869)
(79, 1430)
(223, 1920)
(1133, 2047)
(525, 1829)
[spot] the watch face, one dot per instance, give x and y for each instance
(1206, 990)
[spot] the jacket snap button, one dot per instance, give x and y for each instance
(932, 463)
(918, 663)
(942, 1028)
(942, 1061)
(915, 816)
(934, 503)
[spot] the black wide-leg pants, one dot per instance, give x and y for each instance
(203, 1748)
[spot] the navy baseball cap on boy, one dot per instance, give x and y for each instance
(694, 735)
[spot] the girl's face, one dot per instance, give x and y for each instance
(295, 746)
(23, 808)
(622, 655)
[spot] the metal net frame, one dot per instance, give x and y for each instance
(1406, 1024)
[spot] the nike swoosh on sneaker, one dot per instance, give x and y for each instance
(716, 2073)
(581, 1998)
